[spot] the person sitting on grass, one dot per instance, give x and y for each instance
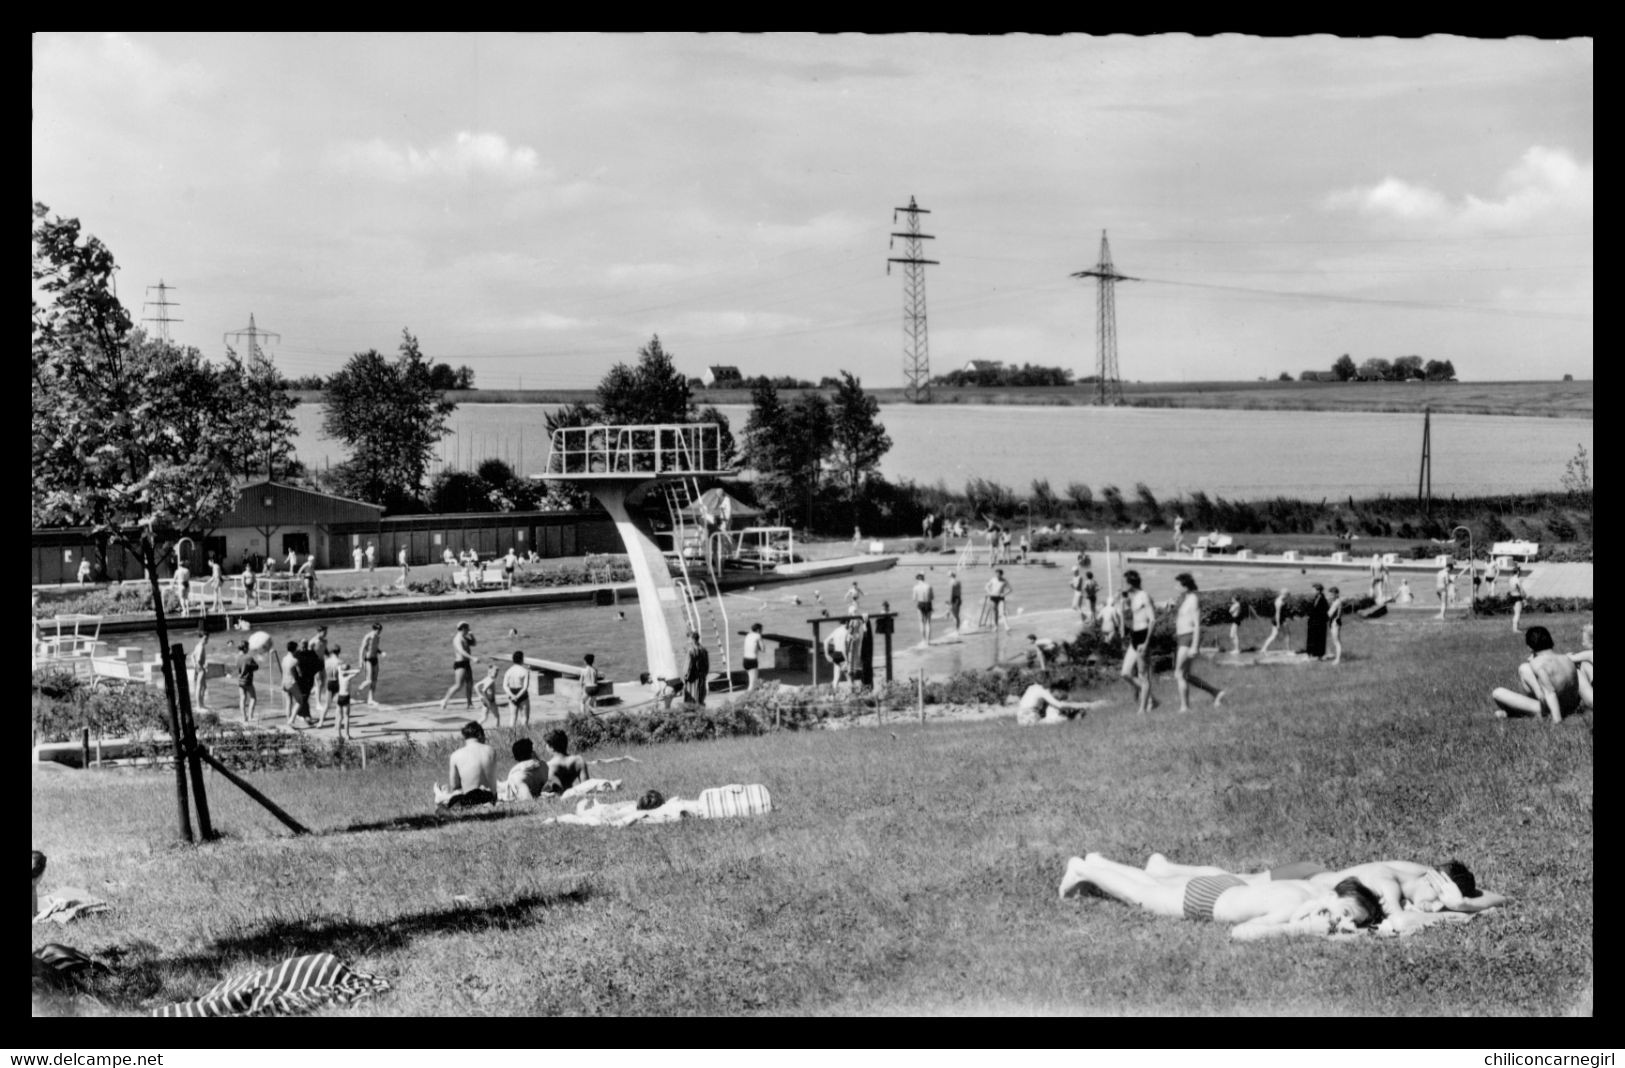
(1582, 666)
(1548, 680)
(1279, 908)
(472, 771)
(1401, 885)
(1040, 705)
(563, 771)
(527, 777)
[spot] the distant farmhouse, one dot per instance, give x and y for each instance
(721, 373)
(978, 366)
(1318, 376)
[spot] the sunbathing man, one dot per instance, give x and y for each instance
(563, 771)
(1269, 909)
(1401, 885)
(472, 770)
(1548, 679)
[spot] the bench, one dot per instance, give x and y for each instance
(547, 674)
(795, 654)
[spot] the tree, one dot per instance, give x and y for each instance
(652, 392)
(392, 418)
(131, 438)
(1344, 368)
(859, 439)
(1376, 369)
(1439, 371)
(1284, 376)
(1407, 368)
(786, 445)
(261, 416)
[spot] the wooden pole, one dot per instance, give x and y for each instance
(84, 749)
(242, 784)
(182, 808)
(921, 698)
(183, 698)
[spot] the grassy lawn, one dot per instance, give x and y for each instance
(905, 870)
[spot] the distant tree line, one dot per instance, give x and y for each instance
(1376, 369)
(442, 376)
(1025, 375)
(755, 382)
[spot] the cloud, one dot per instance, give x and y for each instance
(115, 71)
(467, 155)
(1545, 185)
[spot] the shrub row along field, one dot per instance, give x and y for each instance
(906, 869)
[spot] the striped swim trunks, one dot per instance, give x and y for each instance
(1203, 891)
(1303, 869)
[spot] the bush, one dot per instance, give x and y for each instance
(1083, 498)
(64, 705)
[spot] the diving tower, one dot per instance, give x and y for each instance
(619, 466)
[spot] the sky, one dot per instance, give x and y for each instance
(538, 206)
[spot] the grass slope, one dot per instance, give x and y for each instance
(905, 869)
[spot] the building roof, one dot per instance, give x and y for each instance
(983, 365)
(293, 506)
(723, 370)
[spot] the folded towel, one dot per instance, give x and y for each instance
(68, 904)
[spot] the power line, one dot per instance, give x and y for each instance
(163, 305)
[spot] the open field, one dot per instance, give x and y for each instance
(905, 870)
(1533, 398)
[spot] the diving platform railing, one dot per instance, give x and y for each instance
(641, 452)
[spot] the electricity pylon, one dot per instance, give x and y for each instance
(162, 318)
(1108, 387)
(917, 348)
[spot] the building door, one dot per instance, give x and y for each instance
(212, 546)
(298, 541)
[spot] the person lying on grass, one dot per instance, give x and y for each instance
(1548, 680)
(473, 772)
(1274, 909)
(1040, 705)
(1401, 885)
(563, 771)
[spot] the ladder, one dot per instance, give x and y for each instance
(680, 494)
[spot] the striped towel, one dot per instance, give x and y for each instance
(297, 985)
(735, 800)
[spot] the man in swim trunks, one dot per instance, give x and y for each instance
(1187, 635)
(472, 770)
(1091, 590)
(1237, 610)
(752, 656)
(1277, 621)
(997, 590)
(697, 671)
(516, 684)
(1141, 614)
(462, 666)
(923, 605)
(1549, 682)
(1443, 583)
(835, 653)
(370, 653)
(1334, 624)
(1515, 595)
(1275, 908)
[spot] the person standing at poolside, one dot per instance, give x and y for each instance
(1179, 534)
(1187, 635)
(1334, 625)
(1237, 610)
(217, 581)
(199, 661)
(1515, 595)
(998, 589)
(182, 582)
(1076, 585)
(486, 691)
(1091, 591)
(404, 560)
(1443, 583)
(290, 664)
(516, 684)
(358, 556)
(333, 667)
(697, 671)
(752, 655)
(307, 572)
(835, 653)
(251, 593)
(1492, 573)
(1277, 621)
(293, 561)
(1376, 578)
(1314, 642)
(923, 605)
(84, 570)
(955, 599)
(590, 679)
(324, 691)
(462, 665)
(1141, 616)
(247, 699)
(510, 564)
(370, 654)
(372, 556)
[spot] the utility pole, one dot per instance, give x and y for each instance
(254, 333)
(163, 305)
(1108, 387)
(917, 349)
(1424, 475)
